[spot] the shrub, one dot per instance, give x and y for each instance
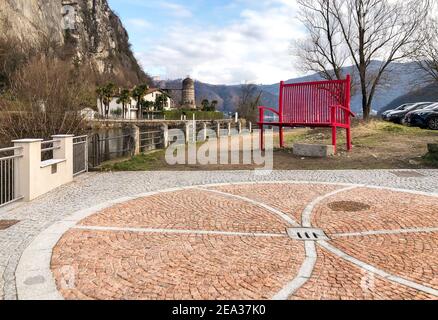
(199, 115)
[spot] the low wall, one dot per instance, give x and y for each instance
(38, 177)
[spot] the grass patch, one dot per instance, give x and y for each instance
(140, 162)
(431, 160)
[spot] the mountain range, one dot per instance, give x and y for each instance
(403, 82)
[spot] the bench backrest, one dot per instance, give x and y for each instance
(310, 103)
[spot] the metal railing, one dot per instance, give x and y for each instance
(9, 175)
(107, 148)
(80, 155)
(150, 140)
(47, 148)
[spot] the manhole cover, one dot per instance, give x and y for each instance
(407, 174)
(348, 206)
(307, 234)
(5, 224)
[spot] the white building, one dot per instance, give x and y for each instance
(152, 95)
(131, 110)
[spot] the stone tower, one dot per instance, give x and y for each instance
(188, 94)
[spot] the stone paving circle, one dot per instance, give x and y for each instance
(256, 240)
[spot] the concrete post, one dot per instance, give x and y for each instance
(218, 129)
(229, 129)
(136, 135)
(165, 129)
(204, 135)
(187, 131)
(250, 126)
(194, 128)
(27, 166)
(240, 127)
(65, 152)
(36, 177)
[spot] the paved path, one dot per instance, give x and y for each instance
(227, 241)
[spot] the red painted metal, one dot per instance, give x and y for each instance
(312, 104)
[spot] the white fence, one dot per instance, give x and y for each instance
(33, 166)
(9, 188)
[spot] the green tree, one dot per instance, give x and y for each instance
(138, 94)
(213, 105)
(109, 92)
(205, 104)
(160, 102)
(124, 99)
(209, 107)
(147, 105)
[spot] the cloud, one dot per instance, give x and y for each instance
(176, 10)
(140, 23)
(255, 47)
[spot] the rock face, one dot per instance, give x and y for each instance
(88, 29)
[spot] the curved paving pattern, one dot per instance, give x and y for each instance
(231, 242)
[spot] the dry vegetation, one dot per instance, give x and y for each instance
(45, 98)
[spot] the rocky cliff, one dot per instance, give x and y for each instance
(88, 30)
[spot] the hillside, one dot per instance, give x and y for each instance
(401, 79)
(97, 36)
(428, 93)
(227, 96)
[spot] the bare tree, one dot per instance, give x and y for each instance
(374, 34)
(427, 55)
(322, 50)
(46, 98)
(249, 100)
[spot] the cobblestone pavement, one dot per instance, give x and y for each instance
(230, 240)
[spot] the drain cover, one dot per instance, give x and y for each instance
(348, 206)
(407, 174)
(5, 224)
(307, 234)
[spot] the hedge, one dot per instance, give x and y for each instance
(199, 115)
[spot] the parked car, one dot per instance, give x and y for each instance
(402, 107)
(397, 116)
(424, 118)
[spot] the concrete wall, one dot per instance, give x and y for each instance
(36, 177)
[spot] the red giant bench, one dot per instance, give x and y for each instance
(312, 104)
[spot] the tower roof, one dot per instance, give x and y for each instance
(188, 80)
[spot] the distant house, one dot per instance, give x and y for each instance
(131, 110)
(88, 113)
(152, 95)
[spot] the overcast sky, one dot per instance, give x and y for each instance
(214, 41)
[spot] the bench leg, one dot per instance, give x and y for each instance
(349, 145)
(334, 138)
(281, 137)
(262, 137)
